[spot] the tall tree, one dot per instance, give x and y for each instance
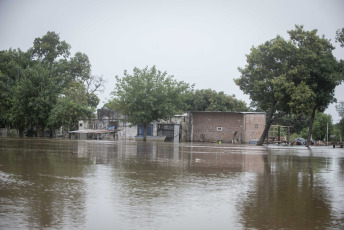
(33, 83)
(34, 97)
(148, 95)
(12, 64)
(295, 76)
(264, 78)
(318, 70)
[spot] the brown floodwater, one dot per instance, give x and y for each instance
(86, 184)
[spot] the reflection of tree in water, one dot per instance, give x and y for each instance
(151, 168)
(150, 180)
(341, 171)
(154, 180)
(43, 185)
(288, 195)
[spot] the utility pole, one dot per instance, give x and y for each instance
(327, 135)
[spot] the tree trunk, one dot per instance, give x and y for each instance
(269, 121)
(51, 133)
(310, 128)
(21, 132)
(145, 130)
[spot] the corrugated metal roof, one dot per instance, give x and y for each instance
(227, 112)
(95, 131)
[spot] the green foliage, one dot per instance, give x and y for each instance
(80, 66)
(298, 123)
(148, 95)
(296, 76)
(44, 87)
(320, 127)
(301, 99)
(340, 127)
(340, 37)
(71, 107)
(316, 65)
(48, 48)
(12, 63)
(264, 76)
(340, 108)
(319, 69)
(210, 100)
(34, 97)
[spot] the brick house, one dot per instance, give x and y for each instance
(230, 127)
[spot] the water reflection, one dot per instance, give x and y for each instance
(41, 185)
(294, 192)
(63, 184)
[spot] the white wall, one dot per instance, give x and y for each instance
(126, 132)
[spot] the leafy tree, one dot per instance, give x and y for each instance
(320, 123)
(340, 108)
(148, 95)
(291, 77)
(264, 79)
(73, 105)
(80, 68)
(340, 105)
(210, 100)
(12, 64)
(34, 97)
(33, 83)
(340, 37)
(321, 120)
(318, 69)
(49, 48)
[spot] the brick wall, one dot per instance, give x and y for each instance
(217, 126)
(254, 126)
(229, 127)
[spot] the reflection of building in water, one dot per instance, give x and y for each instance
(98, 152)
(176, 155)
(234, 162)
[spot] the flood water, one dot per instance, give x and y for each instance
(71, 184)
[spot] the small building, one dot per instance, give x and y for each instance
(229, 127)
(109, 119)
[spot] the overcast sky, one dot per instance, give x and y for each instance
(198, 41)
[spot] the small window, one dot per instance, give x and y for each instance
(218, 128)
(80, 124)
(256, 126)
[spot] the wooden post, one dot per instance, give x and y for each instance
(279, 134)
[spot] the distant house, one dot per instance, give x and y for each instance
(230, 127)
(110, 119)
